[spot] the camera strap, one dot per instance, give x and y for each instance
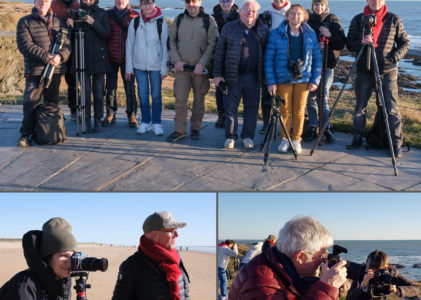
(300, 34)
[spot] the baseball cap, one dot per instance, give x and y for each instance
(161, 220)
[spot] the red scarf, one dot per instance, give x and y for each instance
(380, 14)
(168, 262)
(272, 242)
(273, 5)
(223, 244)
(156, 13)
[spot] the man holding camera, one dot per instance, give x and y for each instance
(156, 270)
(385, 31)
(287, 271)
(48, 255)
(226, 250)
(238, 62)
(381, 281)
(35, 35)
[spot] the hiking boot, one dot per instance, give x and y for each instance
(97, 126)
(311, 135)
(357, 141)
(143, 128)
(248, 143)
(24, 141)
(108, 120)
(330, 138)
(297, 146)
(229, 144)
(220, 123)
(175, 136)
(398, 152)
(133, 121)
(283, 146)
(157, 129)
(195, 134)
(264, 128)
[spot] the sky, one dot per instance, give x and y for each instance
(347, 216)
(111, 218)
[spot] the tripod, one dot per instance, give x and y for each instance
(379, 93)
(321, 92)
(81, 285)
(272, 129)
(80, 77)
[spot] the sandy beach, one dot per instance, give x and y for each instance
(200, 266)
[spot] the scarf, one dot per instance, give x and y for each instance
(380, 14)
(271, 242)
(168, 262)
(156, 13)
(223, 245)
(273, 5)
(121, 14)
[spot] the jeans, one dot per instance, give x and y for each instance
(312, 107)
(143, 90)
(222, 275)
(94, 82)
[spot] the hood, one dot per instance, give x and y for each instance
(43, 273)
(319, 18)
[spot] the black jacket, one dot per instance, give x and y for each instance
(139, 278)
(39, 281)
(393, 43)
(34, 42)
(336, 41)
(227, 53)
(218, 15)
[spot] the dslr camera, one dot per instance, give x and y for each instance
(80, 261)
(276, 100)
(369, 20)
(354, 271)
(78, 15)
(296, 68)
(379, 285)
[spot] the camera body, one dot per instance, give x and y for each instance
(368, 22)
(354, 271)
(276, 100)
(379, 285)
(80, 261)
(78, 15)
(296, 68)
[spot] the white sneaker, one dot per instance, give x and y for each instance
(248, 143)
(297, 146)
(229, 144)
(157, 128)
(283, 146)
(143, 128)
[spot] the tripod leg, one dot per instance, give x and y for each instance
(77, 83)
(281, 121)
(269, 134)
(319, 137)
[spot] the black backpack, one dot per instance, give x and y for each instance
(49, 124)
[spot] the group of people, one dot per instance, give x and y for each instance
(284, 51)
(154, 271)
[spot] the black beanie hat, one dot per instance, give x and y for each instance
(56, 237)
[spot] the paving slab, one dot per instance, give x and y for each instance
(117, 159)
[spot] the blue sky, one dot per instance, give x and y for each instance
(348, 216)
(112, 218)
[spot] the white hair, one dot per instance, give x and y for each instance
(250, 2)
(303, 233)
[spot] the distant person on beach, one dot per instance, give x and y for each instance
(35, 33)
(48, 254)
(391, 44)
(238, 65)
(287, 271)
(377, 262)
(192, 40)
(224, 12)
(226, 250)
(156, 270)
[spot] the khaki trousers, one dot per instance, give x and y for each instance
(183, 83)
(295, 96)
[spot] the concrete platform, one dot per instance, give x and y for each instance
(116, 159)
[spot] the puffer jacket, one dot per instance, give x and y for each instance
(228, 50)
(144, 50)
(34, 42)
(39, 281)
(139, 278)
(336, 41)
(118, 35)
(265, 277)
(218, 15)
(393, 42)
(276, 57)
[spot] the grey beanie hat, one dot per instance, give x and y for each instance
(161, 220)
(57, 237)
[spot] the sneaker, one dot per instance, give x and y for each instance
(248, 143)
(398, 152)
(175, 136)
(311, 135)
(157, 129)
(195, 134)
(283, 146)
(229, 144)
(297, 146)
(143, 128)
(23, 141)
(330, 138)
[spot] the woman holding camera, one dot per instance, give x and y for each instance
(293, 66)
(48, 255)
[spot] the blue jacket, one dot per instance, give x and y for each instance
(276, 57)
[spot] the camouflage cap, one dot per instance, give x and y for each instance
(161, 220)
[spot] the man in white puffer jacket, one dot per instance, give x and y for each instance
(225, 251)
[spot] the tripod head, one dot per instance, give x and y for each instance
(81, 285)
(368, 22)
(276, 101)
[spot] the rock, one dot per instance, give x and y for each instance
(417, 266)
(398, 266)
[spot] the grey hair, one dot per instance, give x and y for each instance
(303, 233)
(251, 2)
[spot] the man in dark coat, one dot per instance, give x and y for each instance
(35, 34)
(224, 12)
(391, 44)
(155, 271)
(238, 60)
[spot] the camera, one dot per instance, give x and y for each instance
(379, 285)
(354, 271)
(277, 99)
(78, 15)
(296, 68)
(223, 87)
(82, 262)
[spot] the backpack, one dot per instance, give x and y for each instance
(49, 124)
(158, 26)
(266, 18)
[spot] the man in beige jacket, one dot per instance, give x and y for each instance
(193, 35)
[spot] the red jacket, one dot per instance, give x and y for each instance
(118, 36)
(256, 280)
(61, 10)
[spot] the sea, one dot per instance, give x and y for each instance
(204, 249)
(406, 253)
